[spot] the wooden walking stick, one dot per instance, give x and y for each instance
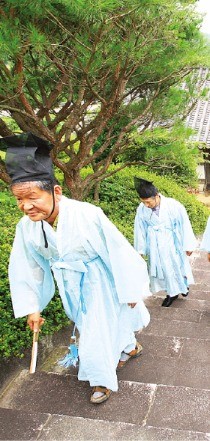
(34, 352)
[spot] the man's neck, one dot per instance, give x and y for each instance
(158, 202)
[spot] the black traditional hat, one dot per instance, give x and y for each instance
(27, 158)
(144, 188)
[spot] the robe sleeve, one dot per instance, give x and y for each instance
(128, 268)
(205, 243)
(189, 241)
(31, 283)
(140, 234)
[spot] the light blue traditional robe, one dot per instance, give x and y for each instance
(205, 243)
(93, 263)
(165, 240)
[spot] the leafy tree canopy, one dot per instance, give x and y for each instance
(169, 153)
(73, 70)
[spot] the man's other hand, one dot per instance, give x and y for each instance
(132, 305)
(188, 253)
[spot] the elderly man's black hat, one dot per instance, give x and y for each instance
(27, 158)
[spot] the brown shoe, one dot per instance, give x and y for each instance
(133, 354)
(97, 400)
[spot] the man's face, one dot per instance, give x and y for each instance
(151, 202)
(37, 204)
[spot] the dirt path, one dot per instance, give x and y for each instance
(204, 198)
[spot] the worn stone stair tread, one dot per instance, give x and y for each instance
(175, 313)
(157, 405)
(181, 304)
(22, 425)
(177, 361)
(178, 328)
(86, 429)
(174, 372)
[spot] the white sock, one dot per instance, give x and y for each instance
(98, 394)
(124, 356)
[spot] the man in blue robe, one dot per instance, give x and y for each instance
(101, 279)
(164, 234)
(205, 243)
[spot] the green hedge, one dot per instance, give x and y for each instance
(119, 201)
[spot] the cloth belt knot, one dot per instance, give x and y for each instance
(155, 261)
(77, 265)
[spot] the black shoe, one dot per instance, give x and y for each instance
(186, 294)
(169, 300)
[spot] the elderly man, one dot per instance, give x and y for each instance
(163, 232)
(101, 278)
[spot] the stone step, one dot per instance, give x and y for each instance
(177, 311)
(169, 360)
(179, 328)
(165, 360)
(142, 404)
(201, 273)
(200, 263)
(189, 303)
(180, 368)
(21, 425)
(176, 350)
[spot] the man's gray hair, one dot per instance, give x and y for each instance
(42, 185)
(45, 185)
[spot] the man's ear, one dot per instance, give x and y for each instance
(58, 192)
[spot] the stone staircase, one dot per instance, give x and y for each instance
(163, 395)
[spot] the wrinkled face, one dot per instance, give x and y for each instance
(37, 204)
(152, 202)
